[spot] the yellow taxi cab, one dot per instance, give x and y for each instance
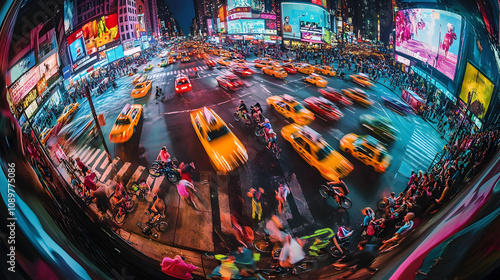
(68, 112)
(317, 80)
(361, 79)
(224, 149)
(185, 59)
(141, 89)
(223, 61)
(275, 71)
(46, 135)
(163, 64)
(264, 63)
(368, 150)
(125, 123)
(140, 79)
(325, 70)
(292, 110)
(170, 60)
(358, 96)
(226, 54)
(172, 52)
(304, 68)
(179, 56)
(311, 146)
(150, 66)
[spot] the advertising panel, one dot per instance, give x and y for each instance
(311, 37)
(268, 16)
(476, 91)
(327, 37)
(210, 27)
(23, 85)
(246, 26)
(96, 35)
(258, 6)
(429, 36)
(222, 13)
(319, 2)
(68, 16)
(49, 67)
(41, 86)
(140, 26)
(304, 18)
(239, 13)
(21, 67)
(231, 4)
(270, 24)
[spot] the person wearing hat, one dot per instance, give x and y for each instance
(177, 268)
(271, 138)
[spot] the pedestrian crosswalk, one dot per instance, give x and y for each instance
(176, 72)
(421, 150)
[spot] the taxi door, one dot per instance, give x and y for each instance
(303, 148)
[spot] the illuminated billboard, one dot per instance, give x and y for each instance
(96, 35)
(304, 18)
(476, 91)
(231, 4)
(49, 67)
(68, 16)
(431, 36)
(319, 2)
(21, 67)
(19, 89)
(246, 26)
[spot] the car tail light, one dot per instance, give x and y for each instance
(381, 167)
(230, 84)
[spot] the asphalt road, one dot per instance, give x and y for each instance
(167, 123)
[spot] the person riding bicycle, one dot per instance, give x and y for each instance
(291, 253)
(271, 138)
(164, 157)
(256, 112)
(242, 109)
(339, 187)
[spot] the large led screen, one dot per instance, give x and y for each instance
(476, 91)
(304, 18)
(246, 26)
(94, 36)
(231, 4)
(431, 36)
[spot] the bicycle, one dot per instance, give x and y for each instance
(120, 211)
(276, 150)
(300, 269)
(238, 115)
(264, 245)
(326, 191)
(156, 222)
(169, 169)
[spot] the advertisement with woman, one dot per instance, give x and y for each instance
(304, 18)
(431, 36)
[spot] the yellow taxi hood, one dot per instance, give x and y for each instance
(228, 153)
(288, 130)
(337, 164)
(273, 99)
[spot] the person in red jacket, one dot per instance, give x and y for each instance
(177, 268)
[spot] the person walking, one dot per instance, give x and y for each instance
(256, 195)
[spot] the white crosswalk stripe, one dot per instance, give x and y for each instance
(91, 151)
(421, 150)
(96, 163)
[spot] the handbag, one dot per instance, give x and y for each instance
(370, 230)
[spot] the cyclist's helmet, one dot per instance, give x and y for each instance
(164, 148)
(266, 120)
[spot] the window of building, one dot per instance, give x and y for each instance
(122, 28)
(126, 27)
(131, 27)
(121, 19)
(123, 36)
(128, 35)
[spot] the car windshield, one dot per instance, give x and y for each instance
(214, 134)
(298, 107)
(323, 152)
(182, 82)
(139, 86)
(122, 121)
(324, 107)
(381, 156)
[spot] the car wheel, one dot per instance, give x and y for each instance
(291, 120)
(347, 151)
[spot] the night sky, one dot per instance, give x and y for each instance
(183, 11)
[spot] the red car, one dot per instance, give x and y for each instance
(210, 63)
(324, 108)
(182, 84)
(230, 82)
(335, 96)
(242, 71)
(289, 68)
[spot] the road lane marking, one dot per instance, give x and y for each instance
(299, 199)
(84, 154)
(92, 150)
(137, 173)
(96, 163)
(123, 169)
(108, 169)
(94, 155)
(213, 105)
(104, 163)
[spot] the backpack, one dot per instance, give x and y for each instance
(370, 230)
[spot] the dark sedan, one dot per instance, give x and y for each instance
(397, 106)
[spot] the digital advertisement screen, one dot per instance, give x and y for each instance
(68, 16)
(303, 18)
(431, 36)
(231, 4)
(21, 67)
(49, 67)
(310, 37)
(246, 26)
(476, 91)
(96, 35)
(319, 2)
